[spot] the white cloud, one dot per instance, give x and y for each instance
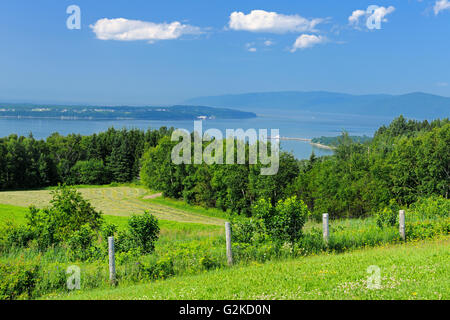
(441, 5)
(442, 84)
(307, 41)
(250, 47)
(272, 22)
(382, 12)
(268, 43)
(378, 14)
(354, 18)
(131, 30)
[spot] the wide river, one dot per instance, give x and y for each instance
(298, 125)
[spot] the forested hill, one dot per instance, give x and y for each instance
(335, 141)
(180, 112)
(414, 105)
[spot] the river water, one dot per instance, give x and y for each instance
(290, 124)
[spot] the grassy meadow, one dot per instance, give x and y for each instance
(417, 270)
(117, 201)
(189, 260)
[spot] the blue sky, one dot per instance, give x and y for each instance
(198, 52)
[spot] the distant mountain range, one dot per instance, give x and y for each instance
(31, 111)
(413, 105)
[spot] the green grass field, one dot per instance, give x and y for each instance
(417, 270)
(191, 236)
(116, 201)
(169, 229)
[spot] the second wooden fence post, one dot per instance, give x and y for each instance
(228, 239)
(112, 261)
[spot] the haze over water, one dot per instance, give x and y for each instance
(297, 125)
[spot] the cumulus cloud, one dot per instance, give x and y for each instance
(131, 30)
(441, 5)
(379, 14)
(307, 41)
(354, 18)
(382, 12)
(268, 43)
(272, 22)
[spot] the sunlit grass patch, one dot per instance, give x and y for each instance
(117, 201)
(413, 271)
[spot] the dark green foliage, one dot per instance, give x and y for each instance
(139, 238)
(230, 187)
(405, 161)
(17, 280)
(334, 141)
(70, 219)
(283, 222)
(159, 173)
(144, 231)
(111, 156)
(389, 215)
(432, 207)
(89, 172)
(81, 244)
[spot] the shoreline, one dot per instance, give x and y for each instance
(322, 146)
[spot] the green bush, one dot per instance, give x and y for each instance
(12, 236)
(67, 214)
(389, 215)
(285, 221)
(153, 269)
(18, 280)
(427, 229)
(248, 230)
(144, 231)
(431, 207)
(81, 244)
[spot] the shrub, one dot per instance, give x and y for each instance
(389, 215)
(12, 236)
(153, 269)
(144, 231)
(250, 230)
(18, 280)
(431, 207)
(81, 244)
(285, 221)
(427, 229)
(108, 230)
(67, 214)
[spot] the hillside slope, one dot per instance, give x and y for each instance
(414, 105)
(418, 270)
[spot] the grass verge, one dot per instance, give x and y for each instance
(417, 270)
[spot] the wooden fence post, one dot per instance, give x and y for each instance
(112, 261)
(326, 231)
(401, 222)
(228, 238)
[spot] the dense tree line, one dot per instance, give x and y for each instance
(404, 161)
(111, 156)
